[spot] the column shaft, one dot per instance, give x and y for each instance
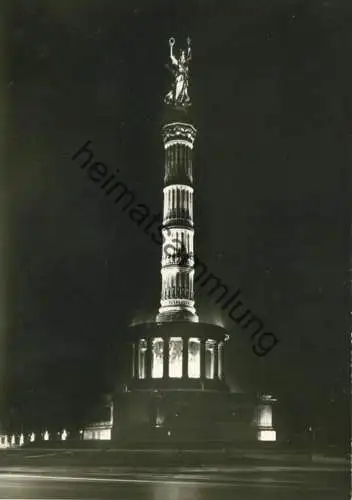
(166, 358)
(216, 362)
(185, 358)
(149, 359)
(202, 359)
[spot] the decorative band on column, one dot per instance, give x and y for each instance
(176, 142)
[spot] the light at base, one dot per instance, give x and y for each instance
(266, 435)
(4, 441)
(99, 433)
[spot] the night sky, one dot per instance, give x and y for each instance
(267, 86)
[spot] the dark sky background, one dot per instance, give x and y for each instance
(267, 85)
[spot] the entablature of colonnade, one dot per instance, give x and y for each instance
(184, 329)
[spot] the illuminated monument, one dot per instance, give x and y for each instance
(176, 390)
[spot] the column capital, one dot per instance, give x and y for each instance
(179, 132)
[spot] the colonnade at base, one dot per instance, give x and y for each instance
(174, 357)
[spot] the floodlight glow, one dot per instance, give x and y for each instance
(193, 358)
(175, 357)
(104, 434)
(4, 442)
(266, 435)
(265, 416)
(157, 357)
(210, 358)
(142, 358)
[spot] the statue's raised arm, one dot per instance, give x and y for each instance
(172, 57)
(189, 51)
(178, 95)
